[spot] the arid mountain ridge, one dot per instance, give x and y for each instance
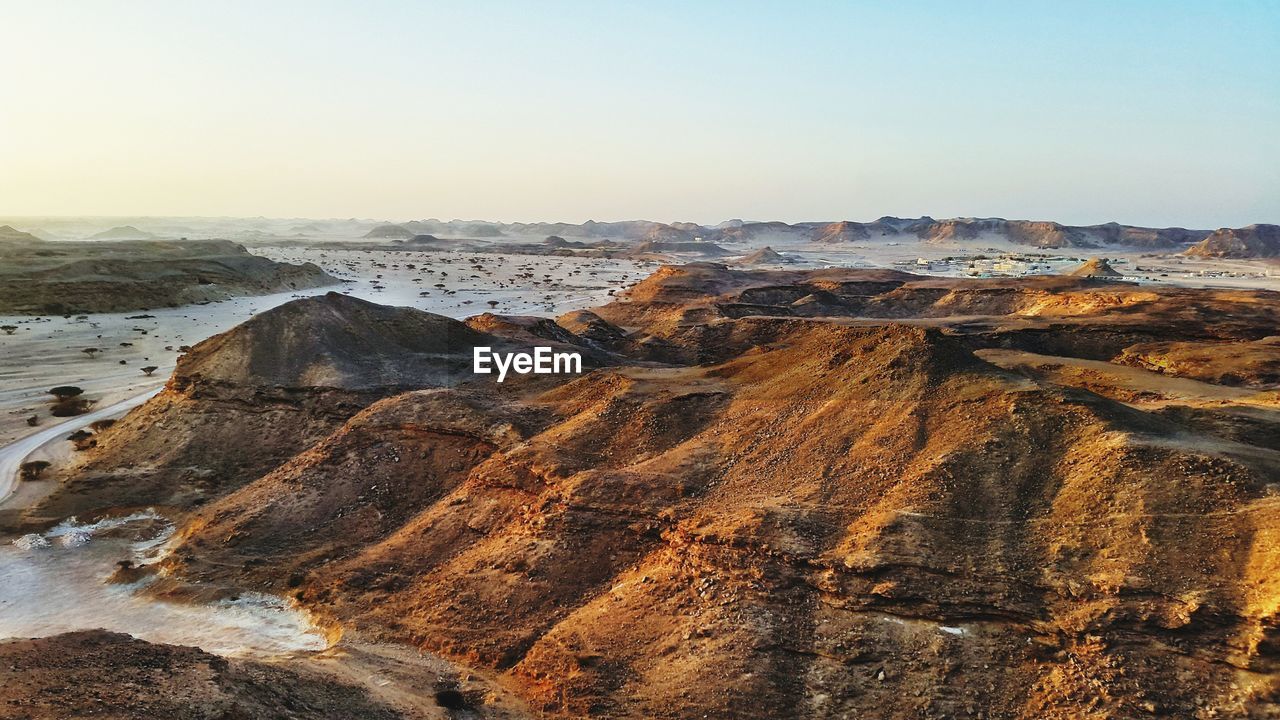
(820, 493)
(1258, 240)
(1043, 234)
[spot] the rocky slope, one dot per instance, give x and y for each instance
(823, 494)
(112, 676)
(44, 278)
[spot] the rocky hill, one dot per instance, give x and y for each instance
(829, 493)
(764, 256)
(668, 234)
(12, 236)
(45, 278)
(842, 232)
(390, 232)
(276, 385)
(1096, 268)
(123, 232)
(1253, 241)
(333, 341)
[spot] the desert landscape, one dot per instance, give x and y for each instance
(421, 360)
(832, 470)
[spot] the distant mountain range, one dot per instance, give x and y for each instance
(1251, 241)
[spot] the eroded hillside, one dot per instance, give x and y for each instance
(830, 493)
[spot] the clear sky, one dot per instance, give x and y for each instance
(1161, 112)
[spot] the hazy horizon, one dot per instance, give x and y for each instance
(1154, 114)
(129, 219)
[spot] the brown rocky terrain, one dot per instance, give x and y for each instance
(109, 675)
(1253, 241)
(830, 493)
(1255, 364)
(47, 278)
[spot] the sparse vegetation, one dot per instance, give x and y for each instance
(68, 401)
(33, 470)
(65, 392)
(82, 439)
(91, 352)
(71, 407)
(149, 369)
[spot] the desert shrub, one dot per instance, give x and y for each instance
(70, 407)
(83, 439)
(32, 470)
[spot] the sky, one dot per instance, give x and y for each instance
(1157, 113)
